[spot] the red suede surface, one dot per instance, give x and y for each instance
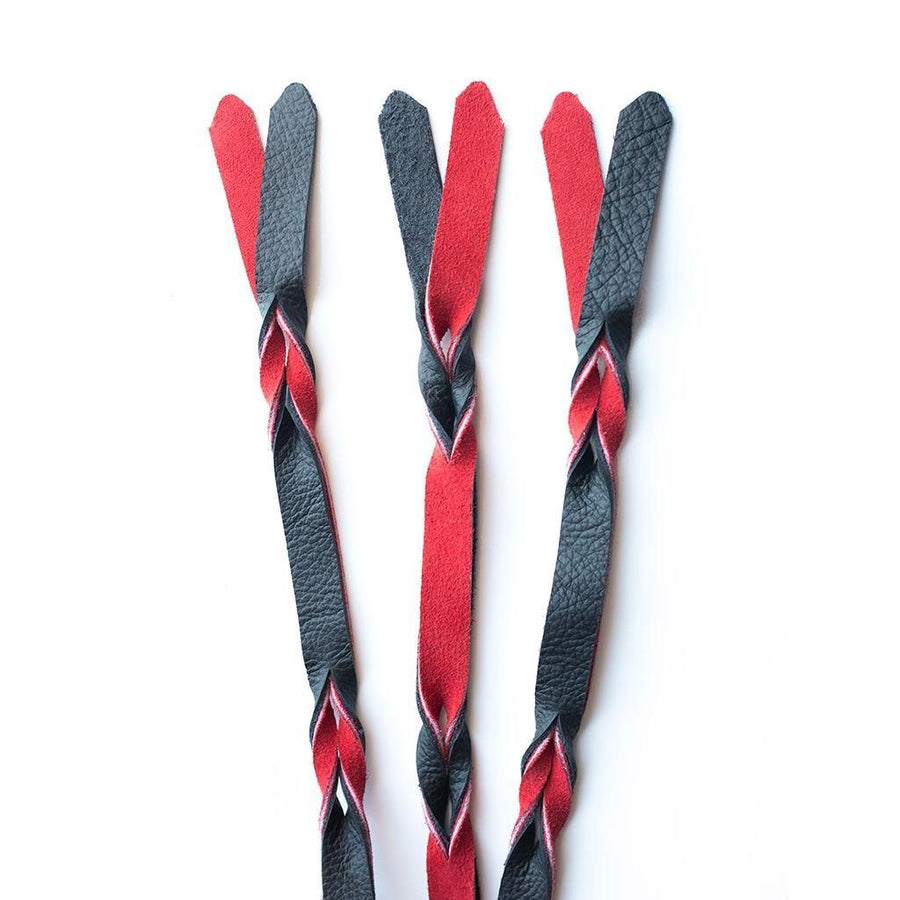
(576, 182)
(445, 612)
(464, 220)
(239, 155)
(452, 876)
(457, 266)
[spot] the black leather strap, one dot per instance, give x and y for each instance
(302, 487)
(579, 583)
(416, 186)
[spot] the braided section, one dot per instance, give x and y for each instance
(603, 315)
(268, 197)
(445, 235)
(338, 744)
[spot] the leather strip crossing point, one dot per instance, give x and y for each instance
(445, 235)
(604, 237)
(268, 196)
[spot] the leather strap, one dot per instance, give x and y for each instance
(268, 198)
(603, 315)
(445, 235)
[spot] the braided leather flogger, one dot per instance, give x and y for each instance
(445, 233)
(603, 285)
(445, 236)
(272, 191)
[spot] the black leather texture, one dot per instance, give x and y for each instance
(579, 582)
(302, 489)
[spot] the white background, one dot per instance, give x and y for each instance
(153, 704)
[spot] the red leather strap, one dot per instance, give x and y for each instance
(239, 155)
(457, 265)
(576, 182)
(464, 220)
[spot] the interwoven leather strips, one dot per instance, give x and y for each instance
(602, 304)
(268, 195)
(445, 234)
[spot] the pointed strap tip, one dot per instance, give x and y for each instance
(652, 98)
(652, 107)
(294, 95)
(400, 101)
(229, 106)
(477, 88)
(479, 94)
(566, 105)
